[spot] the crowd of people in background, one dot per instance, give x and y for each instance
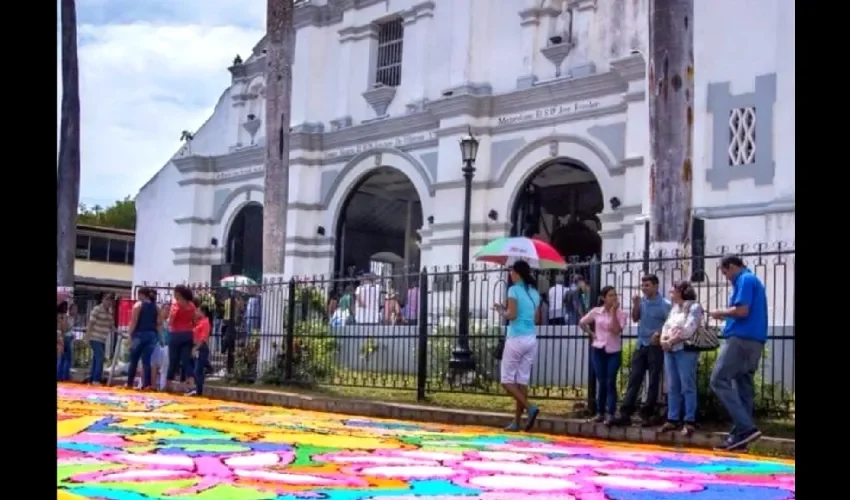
(172, 340)
(667, 345)
(369, 304)
(165, 341)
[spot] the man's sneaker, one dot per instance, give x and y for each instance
(740, 442)
(193, 392)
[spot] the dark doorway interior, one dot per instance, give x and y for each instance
(560, 204)
(380, 218)
(244, 250)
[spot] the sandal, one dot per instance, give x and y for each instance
(532, 417)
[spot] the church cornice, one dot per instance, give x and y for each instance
(309, 141)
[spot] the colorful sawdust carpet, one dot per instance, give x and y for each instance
(120, 445)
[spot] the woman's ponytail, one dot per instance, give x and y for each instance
(522, 268)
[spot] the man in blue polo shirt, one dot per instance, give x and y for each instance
(745, 334)
(650, 312)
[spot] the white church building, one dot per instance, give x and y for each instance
(554, 90)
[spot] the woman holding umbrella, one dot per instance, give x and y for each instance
(523, 313)
(522, 310)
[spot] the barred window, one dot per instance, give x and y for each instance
(390, 39)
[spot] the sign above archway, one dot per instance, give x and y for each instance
(393, 142)
(558, 111)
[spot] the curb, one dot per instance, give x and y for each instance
(452, 416)
(436, 414)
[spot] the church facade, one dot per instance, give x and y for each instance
(397, 83)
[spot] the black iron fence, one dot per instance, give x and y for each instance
(397, 331)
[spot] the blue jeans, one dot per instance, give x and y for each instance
(180, 355)
(200, 367)
(141, 348)
(681, 371)
(63, 367)
(98, 350)
(733, 381)
(605, 366)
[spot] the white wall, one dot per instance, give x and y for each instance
(482, 42)
(759, 39)
(156, 232)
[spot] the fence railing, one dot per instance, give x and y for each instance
(292, 333)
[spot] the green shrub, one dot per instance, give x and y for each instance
(245, 357)
(309, 303)
(482, 342)
(313, 357)
(770, 397)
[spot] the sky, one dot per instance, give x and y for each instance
(148, 70)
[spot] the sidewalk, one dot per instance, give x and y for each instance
(546, 424)
(425, 413)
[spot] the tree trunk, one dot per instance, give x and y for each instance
(68, 173)
(671, 119)
(280, 39)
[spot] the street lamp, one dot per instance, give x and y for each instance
(462, 361)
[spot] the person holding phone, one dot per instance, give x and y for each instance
(608, 321)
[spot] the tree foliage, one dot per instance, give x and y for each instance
(121, 215)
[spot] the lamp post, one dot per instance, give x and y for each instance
(462, 361)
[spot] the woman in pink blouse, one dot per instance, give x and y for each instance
(608, 321)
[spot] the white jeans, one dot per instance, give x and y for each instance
(517, 359)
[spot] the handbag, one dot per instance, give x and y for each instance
(499, 350)
(705, 338)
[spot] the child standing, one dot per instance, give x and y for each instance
(200, 350)
(159, 360)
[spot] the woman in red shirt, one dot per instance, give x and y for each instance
(200, 350)
(181, 321)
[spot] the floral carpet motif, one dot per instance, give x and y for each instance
(121, 445)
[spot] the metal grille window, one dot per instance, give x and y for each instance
(390, 39)
(742, 136)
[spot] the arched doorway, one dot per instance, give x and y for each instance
(379, 218)
(243, 252)
(560, 204)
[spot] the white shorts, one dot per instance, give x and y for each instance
(518, 358)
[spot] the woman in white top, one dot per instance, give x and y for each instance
(680, 364)
(367, 302)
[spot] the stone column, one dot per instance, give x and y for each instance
(529, 22)
(461, 18)
(346, 53)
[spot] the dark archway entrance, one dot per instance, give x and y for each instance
(243, 252)
(377, 226)
(560, 204)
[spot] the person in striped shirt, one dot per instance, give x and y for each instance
(100, 325)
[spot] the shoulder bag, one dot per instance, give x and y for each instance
(705, 338)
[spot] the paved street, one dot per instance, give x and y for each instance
(120, 445)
